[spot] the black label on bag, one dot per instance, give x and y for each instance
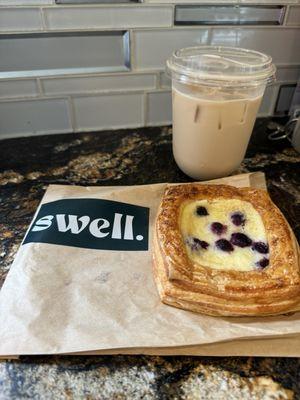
(92, 224)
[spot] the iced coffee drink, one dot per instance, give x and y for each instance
(216, 96)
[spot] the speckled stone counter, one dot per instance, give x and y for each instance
(134, 156)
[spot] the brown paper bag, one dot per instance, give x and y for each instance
(274, 347)
(65, 294)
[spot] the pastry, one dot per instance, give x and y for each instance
(224, 251)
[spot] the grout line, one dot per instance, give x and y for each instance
(287, 82)
(210, 35)
(274, 99)
(173, 15)
(163, 90)
(71, 96)
(64, 96)
(228, 2)
(88, 6)
(286, 65)
(132, 50)
(145, 108)
(286, 15)
(107, 5)
(142, 5)
(31, 98)
(154, 28)
(158, 80)
(112, 93)
(72, 113)
(28, 134)
(40, 86)
(139, 72)
(109, 127)
(44, 28)
(159, 123)
(93, 74)
(263, 115)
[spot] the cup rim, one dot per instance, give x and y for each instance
(221, 65)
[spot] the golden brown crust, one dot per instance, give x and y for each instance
(188, 285)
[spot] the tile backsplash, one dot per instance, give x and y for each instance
(108, 111)
(98, 83)
(71, 68)
(18, 19)
(153, 47)
(30, 117)
(108, 17)
(62, 53)
(229, 14)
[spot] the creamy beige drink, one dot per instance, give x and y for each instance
(210, 137)
(216, 94)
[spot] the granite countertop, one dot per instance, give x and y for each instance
(127, 157)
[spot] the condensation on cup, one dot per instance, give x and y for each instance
(216, 93)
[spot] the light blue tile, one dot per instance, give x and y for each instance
(108, 111)
(165, 81)
(19, 118)
(122, 16)
(284, 99)
(293, 17)
(64, 53)
(90, 84)
(228, 14)
(159, 108)
(288, 73)
(268, 101)
(283, 44)
(18, 88)
(25, 2)
(153, 47)
(20, 19)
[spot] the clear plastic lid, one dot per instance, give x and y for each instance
(221, 66)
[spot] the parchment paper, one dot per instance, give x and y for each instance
(62, 299)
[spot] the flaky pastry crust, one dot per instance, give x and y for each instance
(185, 284)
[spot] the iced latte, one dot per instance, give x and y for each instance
(216, 96)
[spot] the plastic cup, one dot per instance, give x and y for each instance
(216, 93)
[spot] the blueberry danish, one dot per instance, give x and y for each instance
(225, 251)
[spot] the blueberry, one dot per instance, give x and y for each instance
(204, 244)
(260, 247)
(263, 263)
(196, 244)
(240, 240)
(224, 245)
(218, 228)
(201, 211)
(238, 218)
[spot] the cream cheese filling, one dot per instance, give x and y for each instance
(194, 226)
